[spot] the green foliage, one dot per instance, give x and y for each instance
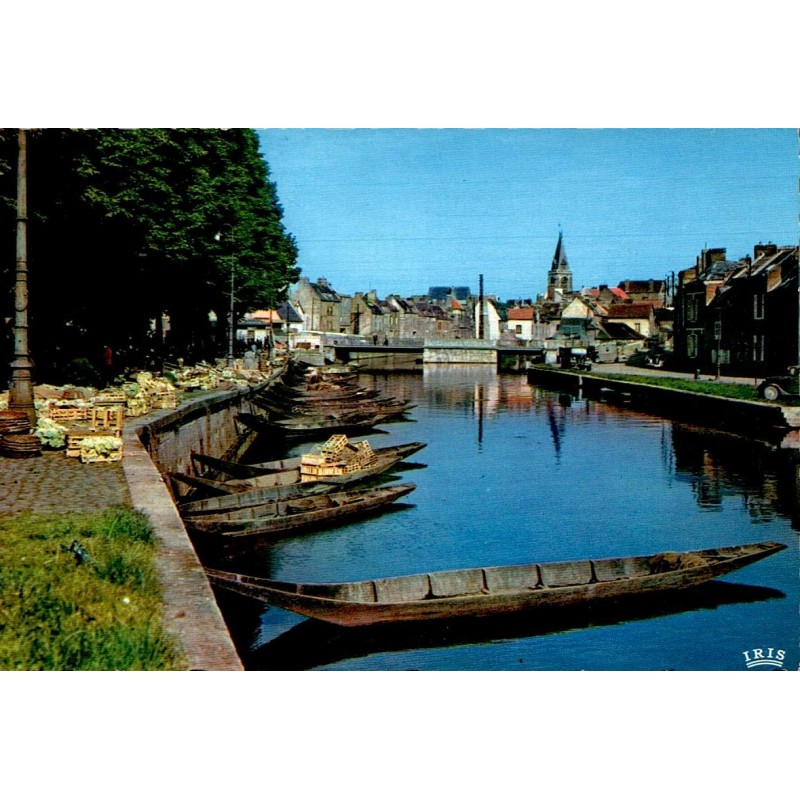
(736, 391)
(99, 611)
(122, 229)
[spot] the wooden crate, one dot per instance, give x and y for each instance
(61, 415)
(111, 399)
(166, 400)
(75, 441)
(137, 406)
(108, 418)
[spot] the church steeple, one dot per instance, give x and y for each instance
(559, 279)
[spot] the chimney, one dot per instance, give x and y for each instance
(761, 250)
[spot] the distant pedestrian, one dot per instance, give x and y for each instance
(107, 364)
(385, 340)
(374, 340)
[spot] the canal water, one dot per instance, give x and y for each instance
(516, 474)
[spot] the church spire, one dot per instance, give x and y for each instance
(560, 258)
(559, 279)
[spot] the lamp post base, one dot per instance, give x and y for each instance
(20, 390)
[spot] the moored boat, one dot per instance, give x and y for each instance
(485, 591)
(237, 470)
(279, 485)
(281, 516)
(311, 428)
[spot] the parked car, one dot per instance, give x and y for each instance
(781, 386)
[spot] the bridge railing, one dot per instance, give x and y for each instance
(460, 344)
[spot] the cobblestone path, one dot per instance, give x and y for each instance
(54, 483)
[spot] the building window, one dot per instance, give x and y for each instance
(692, 307)
(758, 305)
(691, 345)
(518, 329)
(638, 327)
(758, 346)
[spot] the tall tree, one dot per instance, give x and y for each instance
(127, 225)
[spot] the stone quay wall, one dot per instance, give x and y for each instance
(724, 412)
(162, 442)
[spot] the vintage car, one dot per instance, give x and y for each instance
(781, 386)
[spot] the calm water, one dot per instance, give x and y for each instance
(516, 474)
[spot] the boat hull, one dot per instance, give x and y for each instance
(266, 523)
(490, 591)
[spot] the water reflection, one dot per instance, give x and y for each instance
(313, 643)
(721, 465)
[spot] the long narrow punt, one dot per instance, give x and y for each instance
(485, 591)
(277, 518)
(308, 430)
(247, 498)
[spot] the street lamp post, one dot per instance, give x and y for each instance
(20, 396)
(232, 312)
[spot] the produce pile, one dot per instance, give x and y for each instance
(87, 421)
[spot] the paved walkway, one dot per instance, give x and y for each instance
(54, 483)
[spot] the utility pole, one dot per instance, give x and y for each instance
(480, 307)
(20, 396)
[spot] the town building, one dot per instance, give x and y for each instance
(366, 316)
(651, 290)
(693, 323)
(320, 306)
(264, 326)
(529, 326)
(739, 317)
(487, 320)
(640, 317)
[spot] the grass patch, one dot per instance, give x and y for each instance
(736, 391)
(81, 593)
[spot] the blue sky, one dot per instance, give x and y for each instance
(398, 210)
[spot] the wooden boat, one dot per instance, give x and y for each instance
(322, 405)
(305, 512)
(249, 498)
(227, 497)
(287, 478)
(284, 395)
(237, 470)
(331, 409)
(494, 590)
(310, 428)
